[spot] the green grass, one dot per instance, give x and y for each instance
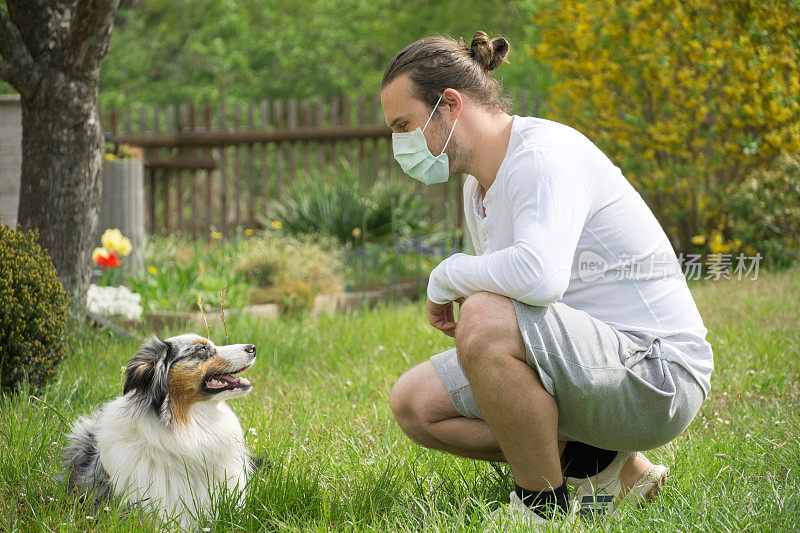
(320, 412)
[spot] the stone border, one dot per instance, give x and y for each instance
(323, 304)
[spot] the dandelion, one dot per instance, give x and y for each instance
(249, 232)
(216, 235)
(153, 270)
(277, 224)
(699, 240)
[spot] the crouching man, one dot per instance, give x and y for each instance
(578, 343)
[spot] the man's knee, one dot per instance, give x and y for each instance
(407, 401)
(487, 327)
(401, 399)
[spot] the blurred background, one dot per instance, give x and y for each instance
(263, 146)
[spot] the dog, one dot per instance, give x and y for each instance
(170, 440)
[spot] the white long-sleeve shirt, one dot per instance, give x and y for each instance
(562, 223)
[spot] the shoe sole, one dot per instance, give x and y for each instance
(658, 483)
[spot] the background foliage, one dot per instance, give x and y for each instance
(172, 51)
(688, 97)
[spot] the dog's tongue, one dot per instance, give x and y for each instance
(223, 380)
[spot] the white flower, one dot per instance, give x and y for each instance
(110, 301)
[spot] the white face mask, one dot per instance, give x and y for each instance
(411, 151)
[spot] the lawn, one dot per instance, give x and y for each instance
(319, 410)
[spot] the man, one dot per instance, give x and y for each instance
(578, 341)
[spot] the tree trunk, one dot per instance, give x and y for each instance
(61, 159)
(51, 53)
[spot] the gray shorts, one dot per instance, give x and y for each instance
(612, 388)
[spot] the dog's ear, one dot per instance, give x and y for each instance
(141, 367)
(146, 376)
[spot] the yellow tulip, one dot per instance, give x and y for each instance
(124, 246)
(111, 239)
(99, 252)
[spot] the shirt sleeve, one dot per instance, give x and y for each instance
(549, 204)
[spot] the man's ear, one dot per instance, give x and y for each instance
(455, 102)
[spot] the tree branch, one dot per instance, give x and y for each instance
(90, 33)
(18, 67)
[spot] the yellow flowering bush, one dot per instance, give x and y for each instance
(688, 97)
(33, 311)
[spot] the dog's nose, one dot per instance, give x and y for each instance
(250, 348)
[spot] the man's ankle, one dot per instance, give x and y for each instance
(546, 503)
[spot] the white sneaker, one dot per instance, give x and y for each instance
(518, 515)
(603, 493)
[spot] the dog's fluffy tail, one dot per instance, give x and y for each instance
(82, 468)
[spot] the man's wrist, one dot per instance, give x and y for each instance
(438, 292)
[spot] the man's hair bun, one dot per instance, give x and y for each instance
(489, 53)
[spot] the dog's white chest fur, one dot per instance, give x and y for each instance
(174, 467)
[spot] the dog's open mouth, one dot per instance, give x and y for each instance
(227, 381)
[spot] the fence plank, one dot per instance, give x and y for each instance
(223, 174)
(128, 120)
(264, 189)
(346, 153)
(251, 186)
(291, 116)
(320, 122)
(375, 143)
(305, 121)
(237, 167)
(278, 122)
(207, 120)
(362, 163)
(142, 120)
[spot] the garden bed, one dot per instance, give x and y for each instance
(323, 304)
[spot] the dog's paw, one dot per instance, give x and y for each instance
(260, 464)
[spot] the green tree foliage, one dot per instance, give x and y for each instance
(171, 51)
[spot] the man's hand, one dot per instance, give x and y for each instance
(441, 316)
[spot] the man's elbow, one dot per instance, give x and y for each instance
(551, 290)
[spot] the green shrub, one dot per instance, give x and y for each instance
(765, 212)
(341, 207)
(290, 270)
(33, 311)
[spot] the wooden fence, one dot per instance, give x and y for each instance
(216, 169)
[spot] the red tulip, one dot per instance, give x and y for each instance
(110, 260)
